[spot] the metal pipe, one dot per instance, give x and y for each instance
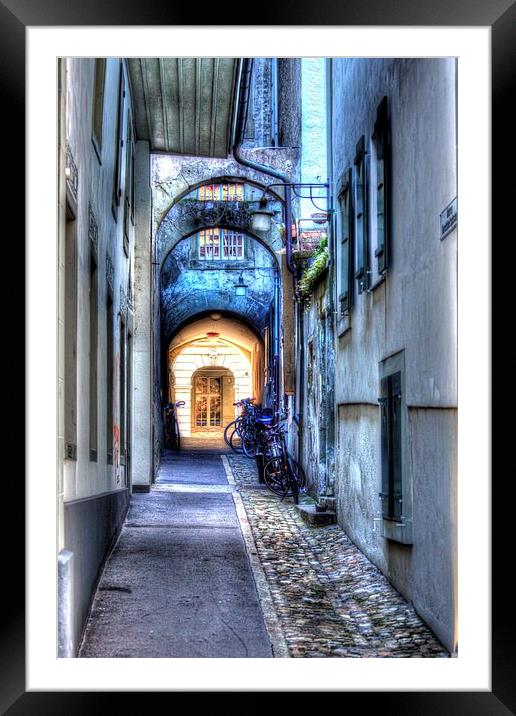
(243, 88)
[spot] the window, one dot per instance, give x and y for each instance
(122, 395)
(117, 190)
(70, 329)
(207, 401)
(221, 244)
(109, 374)
(390, 401)
(221, 192)
(361, 208)
(129, 185)
(98, 103)
(345, 219)
(396, 482)
(274, 103)
(93, 356)
(381, 145)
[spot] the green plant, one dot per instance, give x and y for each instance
(312, 274)
(304, 254)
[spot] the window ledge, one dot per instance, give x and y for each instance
(343, 325)
(397, 531)
(378, 283)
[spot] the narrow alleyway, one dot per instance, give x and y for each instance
(211, 564)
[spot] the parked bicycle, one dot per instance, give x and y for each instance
(260, 433)
(172, 439)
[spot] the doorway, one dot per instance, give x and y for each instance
(213, 395)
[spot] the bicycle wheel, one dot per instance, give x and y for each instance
(231, 428)
(275, 476)
(299, 473)
(235, 442)
(293, 479)
(249, 445)
(228, 430)
(176, 443)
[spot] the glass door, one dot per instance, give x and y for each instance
(208, 402)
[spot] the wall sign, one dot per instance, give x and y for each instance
(449, 218)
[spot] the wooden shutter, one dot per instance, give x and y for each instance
(396, 485)
(361, 208)
(381, 137)
(391, 445)
(347, 240)
(117, 189)
(385, 445)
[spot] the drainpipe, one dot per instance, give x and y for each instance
(242, 100)
(242, 106)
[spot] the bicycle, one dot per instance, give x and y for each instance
(282, 474)
(236, 429)
(172, 439)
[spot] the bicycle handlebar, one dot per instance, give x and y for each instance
(244, 400)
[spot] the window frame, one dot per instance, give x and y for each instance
(382, 144)
(361, 215)
(93, 356)
(345, 243)
(128, 184)
(119, 146)
(222, 235)
(396, 525)
(221, 187)
(97, 113)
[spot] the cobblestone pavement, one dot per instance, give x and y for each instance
(331, 601)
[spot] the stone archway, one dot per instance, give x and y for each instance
(188, 215)
(229, 356)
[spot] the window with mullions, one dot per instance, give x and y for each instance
(207, 402)
(221, 192)
(361, 208)
(221, 245)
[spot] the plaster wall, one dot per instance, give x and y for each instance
(92, 493)
(143, 325)
(412, 310)
(196, 357)
(83, 477)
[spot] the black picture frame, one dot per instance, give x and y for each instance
(15, 16)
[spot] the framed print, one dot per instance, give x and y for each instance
(365, 184)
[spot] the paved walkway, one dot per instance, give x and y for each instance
(209, 546)
(329, 598)
(178, 582)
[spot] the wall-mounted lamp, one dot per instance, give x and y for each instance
(240, 287)
(261, 218)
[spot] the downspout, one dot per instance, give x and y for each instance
(242, 100)
(242, 104)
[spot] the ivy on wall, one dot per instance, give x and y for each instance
(313, 273)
